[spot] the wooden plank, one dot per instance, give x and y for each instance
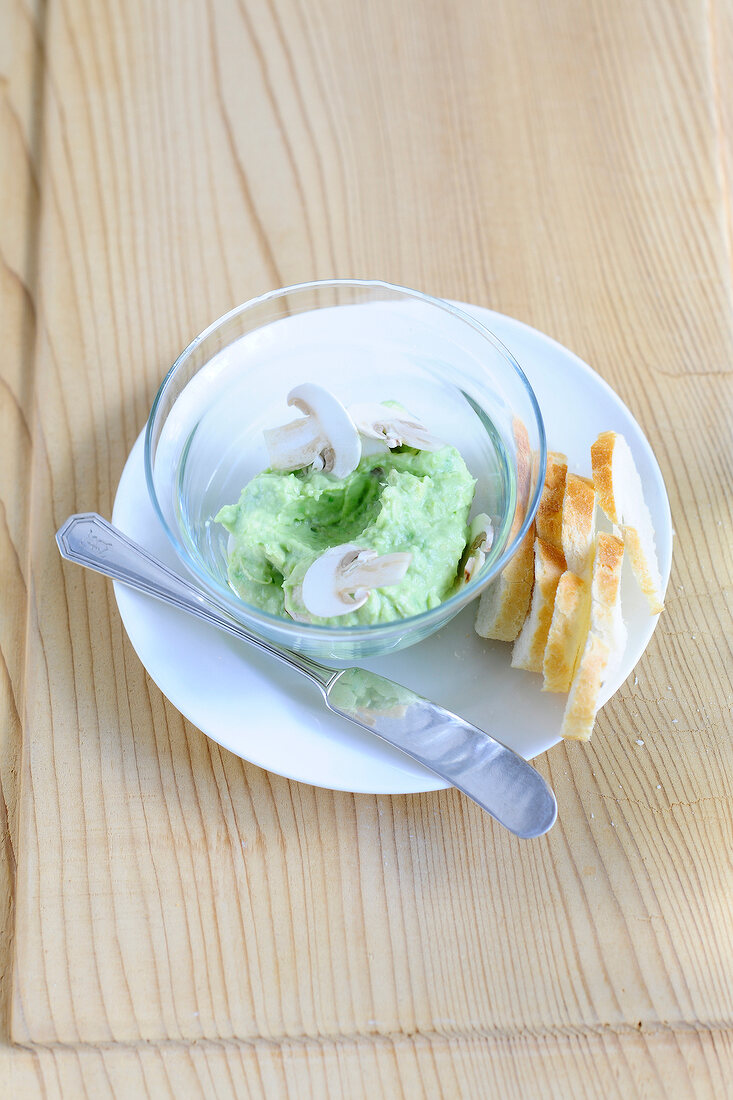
(721, 64)
(167, 891)
(21, 36)
(583, 1066)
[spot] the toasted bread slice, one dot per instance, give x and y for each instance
(503, 607)
(529, 648)
(621, 496)
(569, 618)
(526, 459)
(604, 640)
(579, 524)
(548, 521)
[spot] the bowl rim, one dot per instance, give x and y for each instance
(247, 613)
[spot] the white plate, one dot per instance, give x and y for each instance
(264, 713)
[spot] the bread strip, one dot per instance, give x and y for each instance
(621, 496)
(548, 521)
(571, 612)
(604, 641)
(503, 606)
(601, 456)
(569, 618)
(644, 565)
(579, 524)
(525, 467)
(529, 648)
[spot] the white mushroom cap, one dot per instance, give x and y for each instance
(340, 580)
(480, 540)
(393, 427)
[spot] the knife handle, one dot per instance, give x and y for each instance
(89, 540)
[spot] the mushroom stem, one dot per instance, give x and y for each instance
(480, 539)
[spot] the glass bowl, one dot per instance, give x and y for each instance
(365, 341)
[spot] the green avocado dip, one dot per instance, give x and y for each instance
(401, 500)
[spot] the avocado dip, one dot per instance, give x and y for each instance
(402, 500)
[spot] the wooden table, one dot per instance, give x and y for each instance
(176, 922)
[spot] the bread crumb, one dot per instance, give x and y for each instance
(639, 741)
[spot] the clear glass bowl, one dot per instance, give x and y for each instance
(366, 341)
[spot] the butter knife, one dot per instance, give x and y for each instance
(498, 779)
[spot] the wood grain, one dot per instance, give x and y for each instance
(21, 35)
(575, 1067)
(186, 924)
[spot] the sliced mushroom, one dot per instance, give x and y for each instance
(480, 539)
(340, 580)
(325, 438)
(393, 426)
(296, 444)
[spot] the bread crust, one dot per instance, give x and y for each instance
(525, 463)
(548, 521)
(580, 713)
(598, 649)
(529, 648)
(503, 606)
(578, 524)
(565, 633)
(607, 571)
(601, 457)
(642, 569)
(621, 496)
